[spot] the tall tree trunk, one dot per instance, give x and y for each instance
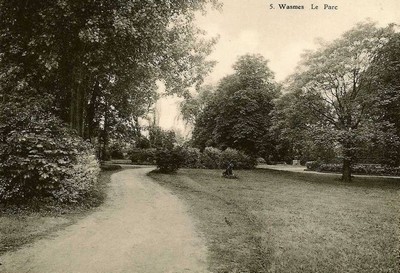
(91, 113)
(80, 111)
(77, 110)
(104, 145)
(72, 111)
(138, 132)
(347, 163)
(346, 172)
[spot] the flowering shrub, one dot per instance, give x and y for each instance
(40, 158)
(81, 179)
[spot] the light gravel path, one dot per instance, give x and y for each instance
(142, 227)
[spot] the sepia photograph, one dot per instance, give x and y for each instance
(199, 136)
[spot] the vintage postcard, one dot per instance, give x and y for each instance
(219, 136)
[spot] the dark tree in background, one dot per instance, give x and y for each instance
(387, 83)
(238, 114)
(292, 124)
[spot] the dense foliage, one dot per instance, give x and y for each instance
(213, 158)
(101, 61)
(169, 160)
(210, 158)
(143, 156)
(292, 125)
(335, 87)
(40, 158)
(386, 68)
(237, 115)
(94, 66)
(367, 169)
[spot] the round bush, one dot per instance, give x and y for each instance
(40, 158)
(169, 160)
(192, 158)
(239, 159)
(211, 158)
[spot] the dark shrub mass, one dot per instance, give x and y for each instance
(41, 158)
(169, 160)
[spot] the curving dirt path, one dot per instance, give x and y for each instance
(142, 227)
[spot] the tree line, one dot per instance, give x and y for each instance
(342, 102)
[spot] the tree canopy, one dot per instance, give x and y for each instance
(100, 58)
(237, 115)
(335, 84)
(387, 83)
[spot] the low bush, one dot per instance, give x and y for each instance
(110, 167)
(80, 180)
(169, 160)
(368, 169)
(192, 158)
(212, 158)
(143, 156)
(40, 158)
(116, 151)
(261, 160)
(239, 159)
(313, 165)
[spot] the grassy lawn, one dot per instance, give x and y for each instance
(19, 226)
(271, 221)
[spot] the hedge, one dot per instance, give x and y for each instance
(210, 158)
(367, 169)
(143, 156)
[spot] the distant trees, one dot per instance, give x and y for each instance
(336, 86)
(237, 114)
(192, 106)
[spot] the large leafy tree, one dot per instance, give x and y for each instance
(99, 58)
(292, 124)
(387, 83)
(336, 85)
(237, 116)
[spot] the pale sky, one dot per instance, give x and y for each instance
(280, 35)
